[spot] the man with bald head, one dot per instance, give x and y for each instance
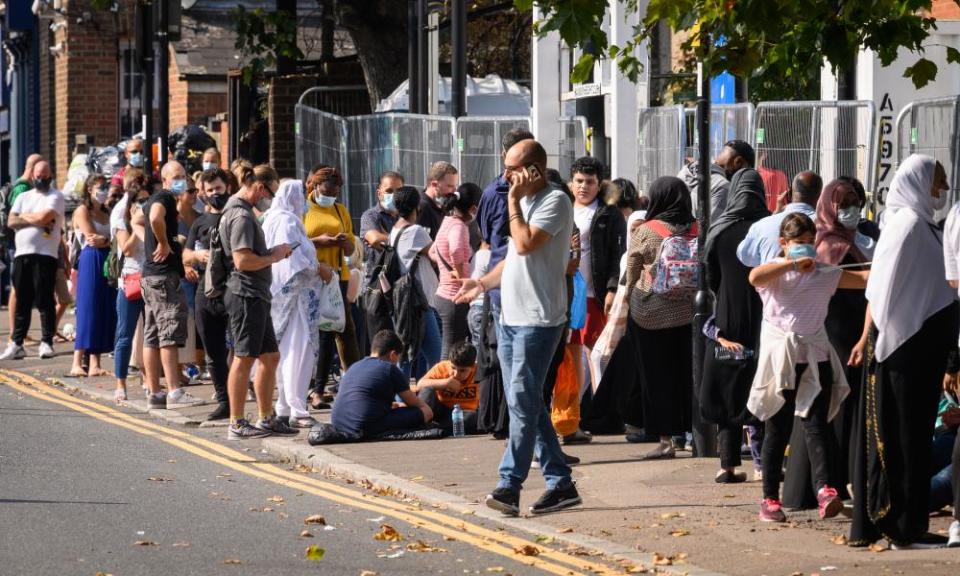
(165, 305)
(533, 313)
(37, 217)
(762, 242)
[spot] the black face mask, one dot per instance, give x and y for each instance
(217, 201)
(42, 184)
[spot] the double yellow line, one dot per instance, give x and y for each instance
(549, 560)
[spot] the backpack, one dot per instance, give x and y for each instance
(376, 298)
(409, 306)
(5, 205)
(218, 267)
(676, 272)
(113, 265)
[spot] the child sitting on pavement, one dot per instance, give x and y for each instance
(451, 382)
(365, 402)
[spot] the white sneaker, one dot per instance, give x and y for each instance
(183, 400)
(954, 540)
(13, 352)
(46, 351)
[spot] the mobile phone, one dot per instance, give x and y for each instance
(533, 171)
(294, 246)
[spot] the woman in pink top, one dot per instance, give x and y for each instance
(452, 253)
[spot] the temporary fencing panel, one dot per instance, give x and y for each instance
(661, 142)
(830, 138)
(478, 145)
(572, 145)
(321, 139)
(932, 127)
(727, 122)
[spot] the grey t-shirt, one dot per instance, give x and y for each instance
(239, 229)
(533, 287)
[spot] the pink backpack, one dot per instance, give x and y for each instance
(676, 272)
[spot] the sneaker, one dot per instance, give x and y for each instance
(727, 477)
(221, 412)
(13, 352)
(244, 430)
(504, 500)
(578, 437)
(772, 511)
(926, 542)
(157, 401)
(829, 503)
(556, 499)
(954, 540)
(183, 400)
(46, 351)
(303, 422)
(273, 425)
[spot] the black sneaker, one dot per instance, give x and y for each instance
(556, 499)
(275, 426)
(222, 412)
(244, 430)
(504, 500)
(157, 401)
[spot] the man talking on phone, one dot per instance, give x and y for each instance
(533, 313)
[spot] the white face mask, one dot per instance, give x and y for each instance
(102, 195)
(324, 201)
(849, 217)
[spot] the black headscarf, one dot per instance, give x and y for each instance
(747, 202)
(670, 201)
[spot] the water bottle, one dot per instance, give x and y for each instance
(457, 417)
(68, 331)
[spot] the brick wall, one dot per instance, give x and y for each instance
(178, 95)
(946, 10)
(47, 107)
(283, 96)
(190, 104)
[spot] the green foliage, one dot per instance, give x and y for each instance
(766, 39)
(263, 38)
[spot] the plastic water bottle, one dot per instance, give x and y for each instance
(68, 331)
(457, 417)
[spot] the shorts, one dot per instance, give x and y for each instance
(61, 289)
(251, 326)
(164, 311)
(596, 320)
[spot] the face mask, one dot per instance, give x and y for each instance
(802, 251)
(217, 201)
(387, 203)
(136, 160)
(940, 202)
(198, 205)
(42, 184)
(849, 217)
(325, 201)
(208, 166)
(102, 195)
(178, 186)
(264, 205)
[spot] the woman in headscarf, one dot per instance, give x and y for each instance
(295, 308)
(915, 325)
(838, 242)
(729, 360)
(660, 323)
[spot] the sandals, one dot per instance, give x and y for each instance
(661, 452)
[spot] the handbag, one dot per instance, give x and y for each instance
(131, 287)
(613, 331)
(578, 305)
(332, 313)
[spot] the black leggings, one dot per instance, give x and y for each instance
(731, 439)
(817, 432)
(453, 324)
(212, 323)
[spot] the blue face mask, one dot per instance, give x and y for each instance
(136, 160)
(208, 166)
(388, 203)
(178, 186)
(802, 251)
(325, 201)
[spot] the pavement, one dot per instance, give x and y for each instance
(665, 515)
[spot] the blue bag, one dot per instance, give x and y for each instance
(578, 306)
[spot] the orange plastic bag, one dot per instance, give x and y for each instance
(565, 410)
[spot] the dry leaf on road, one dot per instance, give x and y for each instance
(145, 543)
(421, 546)
(840, 540)
(527, 550)
(388, 533)
(565, 531)
(232, 561)
(877, 548)
(276, 499)
(315, 553)
(159, 479)
(369, 573)
(680, 532)
(315, 519)
(306, 534)
(545, 540)
(661, 560)
(495, 569)
(669, 515)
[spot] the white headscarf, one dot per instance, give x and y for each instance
(907, 282)
(283, 224)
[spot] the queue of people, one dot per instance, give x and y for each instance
(474, 306)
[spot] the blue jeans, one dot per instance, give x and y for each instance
(525, 353)
(429, 348)
(941, 481)
(128, 313)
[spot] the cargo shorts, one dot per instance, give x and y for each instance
(164, 311)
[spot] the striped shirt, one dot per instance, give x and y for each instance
(798, 303)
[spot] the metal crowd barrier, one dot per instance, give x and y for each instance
(661, 143)
(727, 122)
(572, 145)
(932, 127)
(478, 146)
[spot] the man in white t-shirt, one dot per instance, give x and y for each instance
(37, 217)
(534, 310)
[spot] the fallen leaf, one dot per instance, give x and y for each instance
(276, 499)
(840, 540)
(315, 519)
(669, 515)
(449, 538)
(639, 569)
(495, 569)
(387, 533)
(264, 509)
(103, 574)
(232, 561)
(315, 553)
(877, 548)
(828, 568)
(565, 531)
(527, 550)
(369, 573)
(377, 520)
(306, 534)
(421, 546)
(661, 560)
(545, 540)
(171, 461)
(144, 543)
(181, 544)
(680, 532)
(417, 478)
(159, 479)
(303, 468)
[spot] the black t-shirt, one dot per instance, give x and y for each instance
(366, 394)
(173, 264)
(199, 236)
(430, 216)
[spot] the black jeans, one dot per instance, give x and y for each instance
(815, 426)
(453, 324)
(731, 438)
(346, 342)
(443, 415)
(34, 278)
(212, 324)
